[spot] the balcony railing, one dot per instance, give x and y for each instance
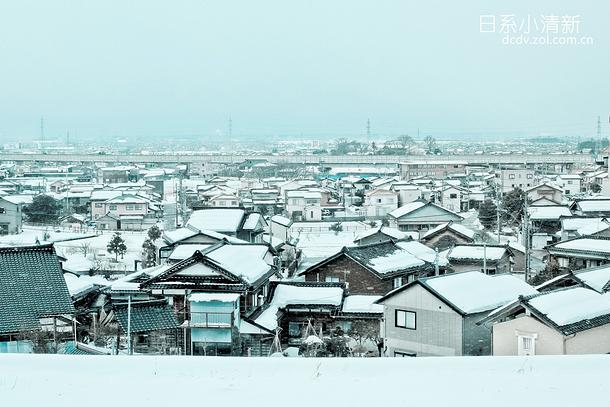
(210, 320)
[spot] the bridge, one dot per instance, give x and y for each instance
(342, 160)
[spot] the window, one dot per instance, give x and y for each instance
(490, 271)
(2, 210)
(397, 282)
(130, 207)
(526, 345)
(511, 176)
(137, 207)
(569, 182)
(398, 354)
(405, 319)
(378, 200)
(98, 205)
(331, 279)
(452, 196)
(112, 207)
(530, 176)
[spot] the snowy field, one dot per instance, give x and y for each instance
(52, 380)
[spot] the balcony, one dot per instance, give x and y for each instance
(210, 320)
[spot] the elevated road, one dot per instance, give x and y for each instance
(298, 159)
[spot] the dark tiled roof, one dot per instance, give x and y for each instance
(365, 254)
(31, 286)
(146, 316)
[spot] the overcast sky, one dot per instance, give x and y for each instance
(135, 68)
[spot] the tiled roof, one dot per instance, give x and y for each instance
(146, 316)
(31, 286)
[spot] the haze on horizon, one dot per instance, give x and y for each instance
(317, 68)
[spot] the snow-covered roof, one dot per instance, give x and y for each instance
(594, 205)
(392, 233)
(468, 252)
(584, 244)
(286, 294)
(77, 284)
(571, 305)
(595, 278)
(548, 212)
(575, 222)
(206, 297)
(362, 304)
(408, 208)
(421, 251)
(473, 291)
(218, 220)
(19, 199)
(252, 221)
(185, 251)
(244, 260)
(281, 220)
(463, 230)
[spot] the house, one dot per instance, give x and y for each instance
(304, 205)
(581, 252)
(383, 234)
(574, 226)
(488, 259)
(152, 324)
(568, 321)
(408, 192)
(193, 239)
(235, 222)
(591, 207)
(11, 215)
(213, 290)
(421, 216)
(279, 227)
(594, 278)
(447, 235)
(295, 307)
(546, 223)
(33, 294)
(224, 201)
(513, 177)
(379, 202)
(453, 197)
(570, 183)
(437, 316)
(374, 269)
(547, 191)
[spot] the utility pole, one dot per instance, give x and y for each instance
(368, 130)
(526, 239)
(129, 350)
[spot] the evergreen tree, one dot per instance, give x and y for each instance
(43, 209)
(512, 205)
(154, 233)
(149, 253)
(117, 246)
(487, 214)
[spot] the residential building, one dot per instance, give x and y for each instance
(437, 316)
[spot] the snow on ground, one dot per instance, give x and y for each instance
(30, 233)
(98, 256)
(53, 380)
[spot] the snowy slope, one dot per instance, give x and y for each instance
(45, 380)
